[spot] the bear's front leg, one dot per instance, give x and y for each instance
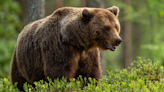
(58, 70)
(59, 62)
(89, 65)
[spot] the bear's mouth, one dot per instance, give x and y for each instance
(111, 47)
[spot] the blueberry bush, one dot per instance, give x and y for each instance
(142, 76)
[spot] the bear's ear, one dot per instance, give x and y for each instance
(114, 10)
(87, 15)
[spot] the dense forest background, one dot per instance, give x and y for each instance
(142, 29)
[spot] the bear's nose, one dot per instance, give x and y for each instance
(118, 41)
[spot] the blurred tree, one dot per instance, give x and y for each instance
(35, 10)
(22, 4)
(84, 3)
(58, 3)
(93, 3)
(127, 51)
(9, 26)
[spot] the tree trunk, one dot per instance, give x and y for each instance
(127, 38)
(58, 4)
(93, 3)
(22, 4)
(84, 3)
(34, 10)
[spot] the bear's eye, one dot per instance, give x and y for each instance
(117, 28)
(107, 29)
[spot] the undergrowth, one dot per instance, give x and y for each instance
(142, 76)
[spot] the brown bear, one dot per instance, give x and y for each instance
(65, 44)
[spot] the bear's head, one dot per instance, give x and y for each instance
(92, 27)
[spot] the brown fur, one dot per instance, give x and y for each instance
(64, 44)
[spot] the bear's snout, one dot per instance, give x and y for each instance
(118, 42)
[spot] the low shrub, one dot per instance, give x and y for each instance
(142, 76)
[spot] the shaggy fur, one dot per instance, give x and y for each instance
(65, 44)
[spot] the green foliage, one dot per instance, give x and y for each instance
(154, 45)
(9, 19)
(9, 26)
(6, 86)
(156, 7)
(143, 76)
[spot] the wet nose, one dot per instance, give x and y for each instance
(118, 41)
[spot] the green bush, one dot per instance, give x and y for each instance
(143, 76)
